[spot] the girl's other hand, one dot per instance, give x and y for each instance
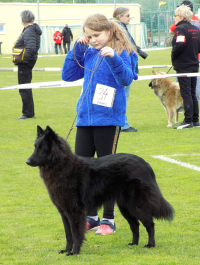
(83, 40)
(107, 51)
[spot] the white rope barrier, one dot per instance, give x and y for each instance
(49, 69)
(45, 85)
(40, 56)
(146, 77)
(154, 66)
(54, 84)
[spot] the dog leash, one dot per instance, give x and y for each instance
(93, 71)
(169, 69)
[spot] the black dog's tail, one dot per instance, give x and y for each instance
(161, 208)
(166, 210)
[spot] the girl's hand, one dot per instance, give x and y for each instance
(107, 51)
(83, 40)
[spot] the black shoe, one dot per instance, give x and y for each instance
(196, 123)
(130, 129)
(22, 117)
(184, 125)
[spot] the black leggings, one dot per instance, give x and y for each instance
(102, 140)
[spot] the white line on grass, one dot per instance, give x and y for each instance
(173, 161)
(197, 154)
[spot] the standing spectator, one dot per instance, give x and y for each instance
(57, 39)
(112, 56)
(196, 22)
(67, 38)
(185, 49)
(122, 15)
(30, 40)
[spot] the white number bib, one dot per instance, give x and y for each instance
(104, 95)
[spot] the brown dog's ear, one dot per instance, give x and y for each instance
(153, 72)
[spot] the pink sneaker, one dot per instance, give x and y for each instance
(105, 228)
(91, 224)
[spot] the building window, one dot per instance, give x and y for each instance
(2, 28)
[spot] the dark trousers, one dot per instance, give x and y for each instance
(24, 77)
(68, 47)
(188, 93)
(102, 140)
(56, 48)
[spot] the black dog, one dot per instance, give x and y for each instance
(76, 184)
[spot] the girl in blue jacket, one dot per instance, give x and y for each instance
(107, 66)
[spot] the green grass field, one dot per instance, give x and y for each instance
(31, 230)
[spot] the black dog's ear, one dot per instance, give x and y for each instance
(51, 134)
(49, 130)
(40, 131)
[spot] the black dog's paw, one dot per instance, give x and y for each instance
(149, 246)
(62, 251)
(66, 251)
(132, 244)
(69, 254)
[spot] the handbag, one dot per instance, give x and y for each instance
(18, 55)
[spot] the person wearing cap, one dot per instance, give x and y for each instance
(57, 39)
(196, 22)
(185, 49)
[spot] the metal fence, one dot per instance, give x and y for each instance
(47, 43)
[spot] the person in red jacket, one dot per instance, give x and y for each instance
(57, 39)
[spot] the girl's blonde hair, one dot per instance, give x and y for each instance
(118, 40)
(185, 12)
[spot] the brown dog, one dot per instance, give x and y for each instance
(169, 94)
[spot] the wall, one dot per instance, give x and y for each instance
(56, 14)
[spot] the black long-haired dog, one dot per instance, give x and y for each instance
(75, 184)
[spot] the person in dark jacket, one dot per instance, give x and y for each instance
(196, 22)
(67, 38)
(30, 40)
(185, 49)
